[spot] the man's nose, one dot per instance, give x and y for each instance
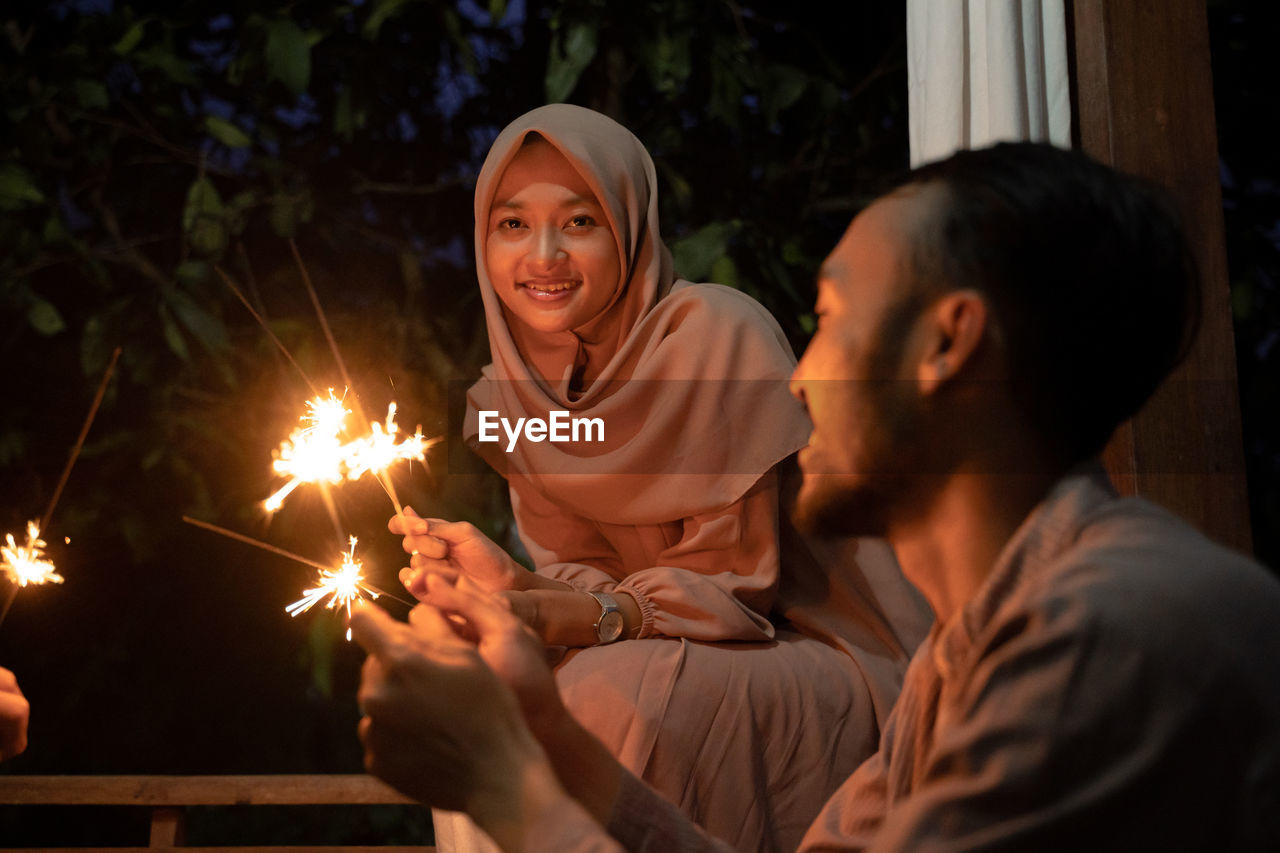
(796, 386)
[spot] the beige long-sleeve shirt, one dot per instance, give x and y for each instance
(1114, 685)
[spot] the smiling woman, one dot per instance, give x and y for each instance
(717, 689)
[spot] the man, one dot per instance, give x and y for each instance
(1099, 675)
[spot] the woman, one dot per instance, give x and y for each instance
(657, 538)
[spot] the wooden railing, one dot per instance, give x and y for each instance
(167, 796)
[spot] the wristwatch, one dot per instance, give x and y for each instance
(609, 625)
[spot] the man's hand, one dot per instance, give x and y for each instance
(505, 642)
(438, 724)
(14, 713)
(452, 549)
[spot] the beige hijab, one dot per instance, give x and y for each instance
(690, 380)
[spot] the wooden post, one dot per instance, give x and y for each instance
(1143, 102)
(166, 828)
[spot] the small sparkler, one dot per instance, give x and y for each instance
(27, 564)
(341, 586)
(345, 584)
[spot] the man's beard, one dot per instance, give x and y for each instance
(890, 467)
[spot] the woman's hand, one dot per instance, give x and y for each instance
(451, 549)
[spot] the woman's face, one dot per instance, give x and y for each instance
(551, 254)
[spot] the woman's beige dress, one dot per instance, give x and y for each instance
(765, 662)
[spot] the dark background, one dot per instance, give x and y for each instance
(143, 146)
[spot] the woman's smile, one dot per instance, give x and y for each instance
(551, 253)
(550, 289)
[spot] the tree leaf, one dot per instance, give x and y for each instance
(288, 55)
(203, 201)
(92, 94)
(668, 61)
(206, 327)
(168, 63)
(696, 254)
(288, 211)
(571, 53)
(17, 188)
(43, 316)
(343, 119)
(225, 132)
(784, 84)
(382, 10)
(173, 335)
(725, 271)
(93, 345)
(131, 37)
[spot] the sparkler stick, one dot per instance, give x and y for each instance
(263, 323)
(84, 432)
(27, 564)
(281, 552)
(324, 321)
(383, 479)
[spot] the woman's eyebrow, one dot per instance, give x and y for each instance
(571, 201)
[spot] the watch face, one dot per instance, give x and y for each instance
(610, 627)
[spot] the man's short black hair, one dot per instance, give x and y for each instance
(1089, 275)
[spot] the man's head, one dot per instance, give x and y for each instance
(1019, 276)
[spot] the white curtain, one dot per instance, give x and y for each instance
(981, 71)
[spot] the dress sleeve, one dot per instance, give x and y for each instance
(715, 578)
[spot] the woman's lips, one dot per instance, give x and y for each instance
(551, 289)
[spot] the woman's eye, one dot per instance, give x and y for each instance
(582, 220)
(509, 224)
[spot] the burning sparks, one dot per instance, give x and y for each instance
(317, 453)
(343, 586)
(377, 451)
(27, 564)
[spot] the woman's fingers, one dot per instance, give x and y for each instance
(406, 522)
(432, 547)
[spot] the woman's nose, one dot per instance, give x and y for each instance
(547, 247)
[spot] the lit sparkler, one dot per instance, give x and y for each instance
(342, 586)
(345, 584)
(27, 564)
(318, 453)
(314, 453)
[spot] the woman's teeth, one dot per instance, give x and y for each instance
(552, 288)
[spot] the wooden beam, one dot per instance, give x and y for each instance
(276, 790)
(1143, 102)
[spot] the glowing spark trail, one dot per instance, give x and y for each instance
(342, 586)
(27, 564)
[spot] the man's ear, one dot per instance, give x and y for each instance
(956, 327)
